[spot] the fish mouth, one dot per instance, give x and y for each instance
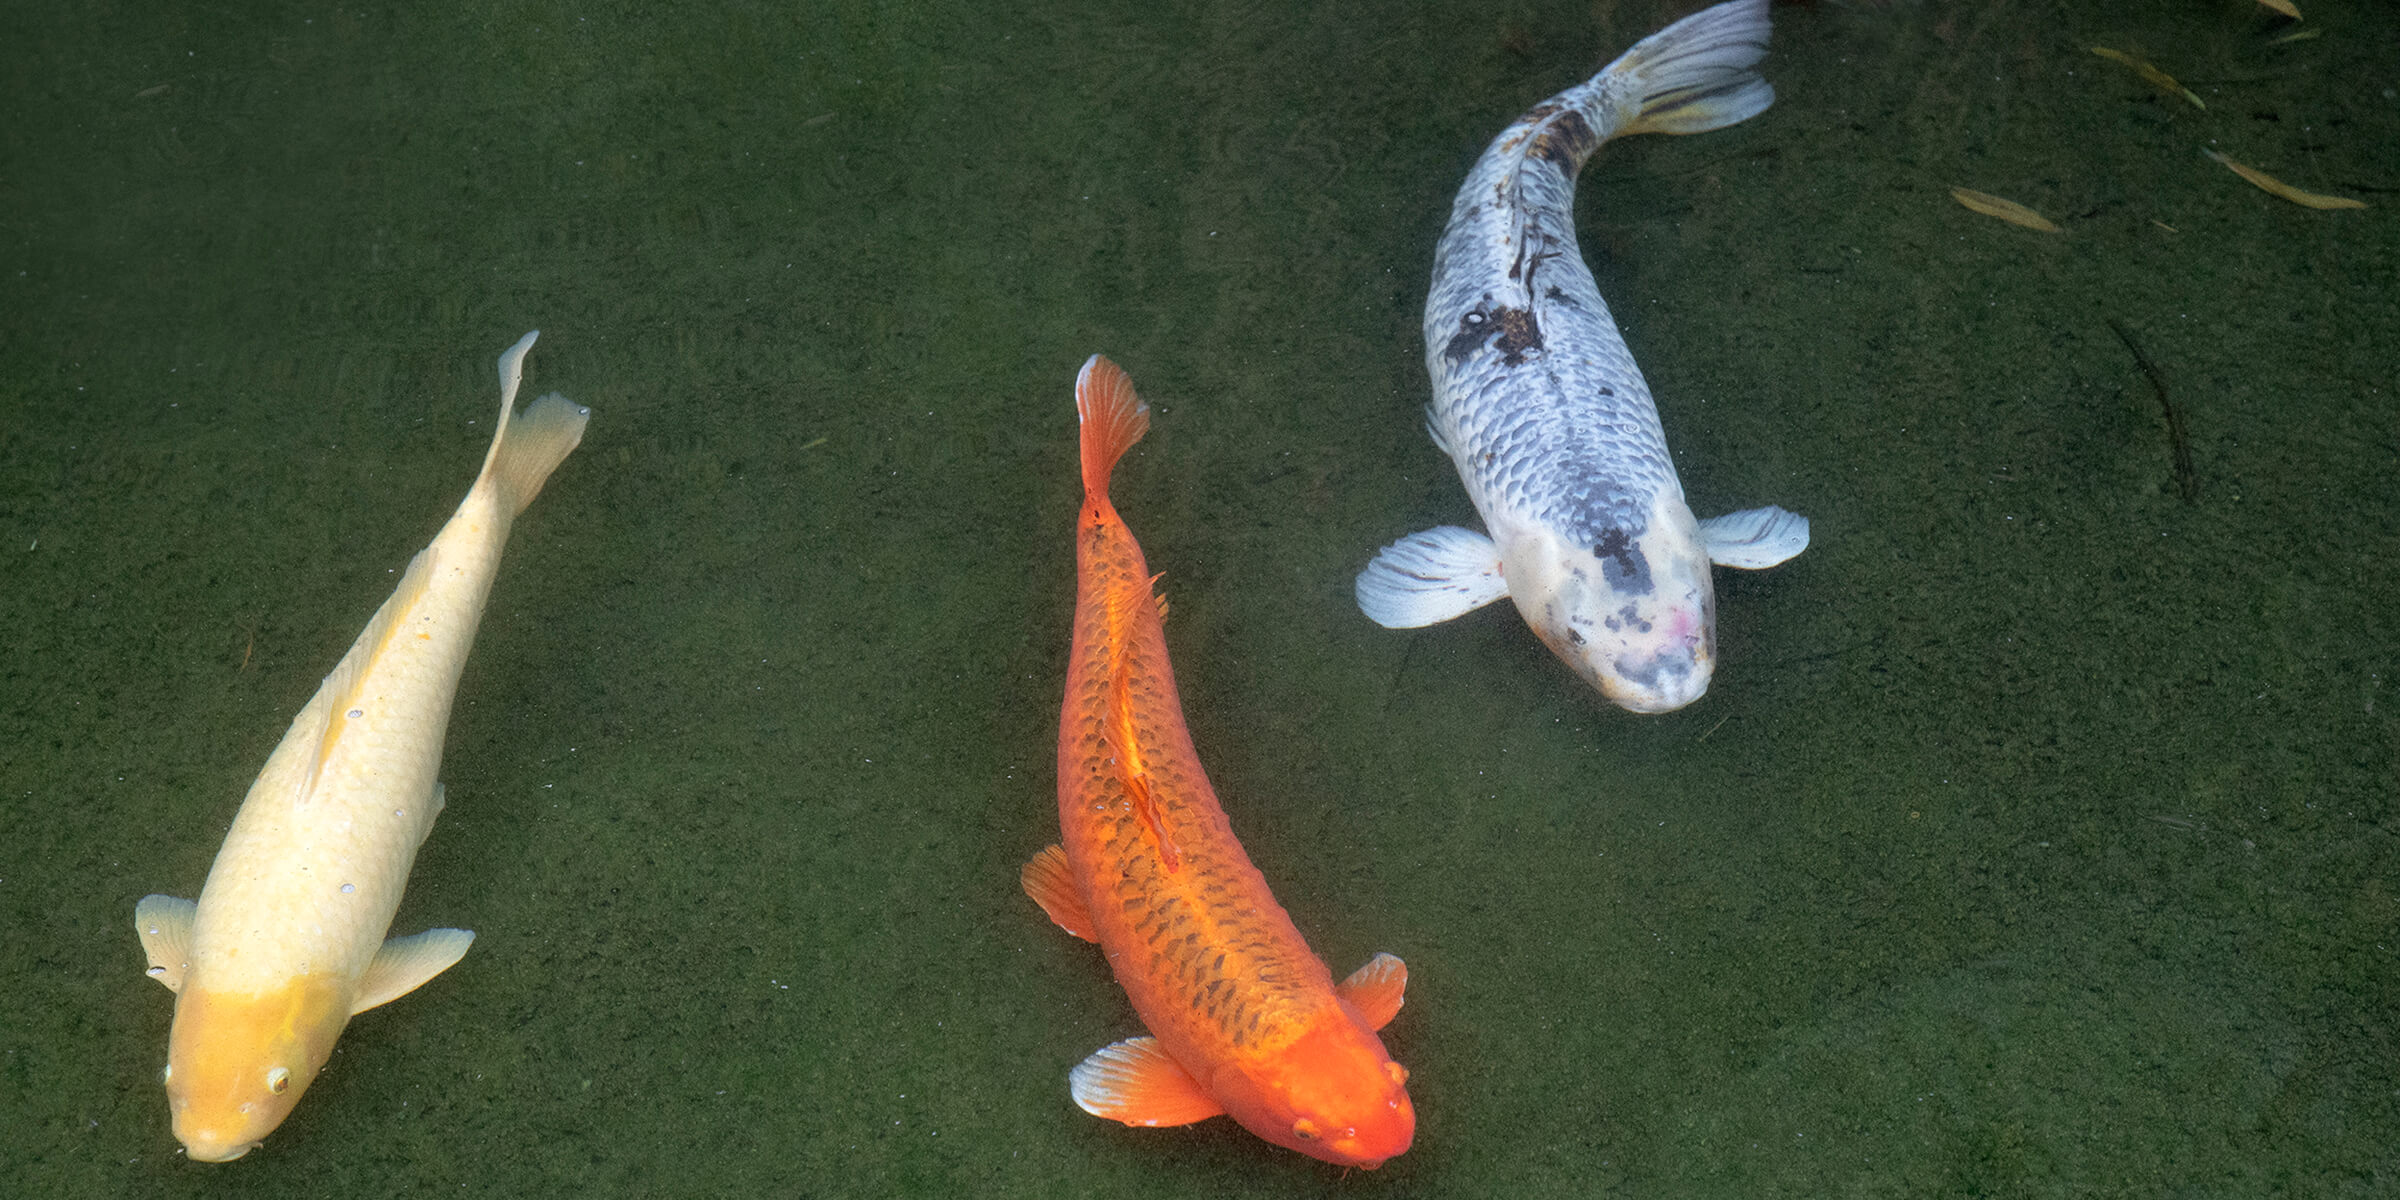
(1662, 682)
(201, 1150)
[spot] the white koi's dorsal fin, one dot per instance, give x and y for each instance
(1754, 537)
(1136, 1082)
(1047, 878)
(1376, 990)
(525, 450)
(340, 689)
(1430, 577)
(404, 964)
(165, 925)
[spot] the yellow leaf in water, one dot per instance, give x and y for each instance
(2276, 187)
(2150, 74)
(2007, 210)
(2286, 7)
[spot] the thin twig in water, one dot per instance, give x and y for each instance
(2186, 479)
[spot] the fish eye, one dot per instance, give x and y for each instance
(1398, 1073)
(1304, 1129)
(279, 1080)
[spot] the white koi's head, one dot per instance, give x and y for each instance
(1633, 613)
(237, 1064)
(1334, 1094)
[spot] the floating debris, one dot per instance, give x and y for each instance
(2007, 210)
(2276, 187)
(2297, 35)
(2150, 74)
(2286, 7)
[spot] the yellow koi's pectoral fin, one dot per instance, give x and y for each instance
(1134, 1081)
(1051, 883)
(404, 964)
(165, 924)
(1375, 989)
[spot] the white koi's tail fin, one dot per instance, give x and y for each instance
(526, 449)
(1696, 74)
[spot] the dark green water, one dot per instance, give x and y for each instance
(2039, 837)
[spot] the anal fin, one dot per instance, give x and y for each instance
(165, 926)
(1047, 878)
(1135, 1081)
(1376, 989)
(404, 964)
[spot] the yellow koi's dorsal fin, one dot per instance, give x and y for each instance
(340, 691)
(404, 964)
(165, 925)
(1136, 1082)
(1376, 989)
(1047, 878)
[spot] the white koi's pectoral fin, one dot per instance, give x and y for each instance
(404, 964)
(1376, 989)
(1430, 577)
(1136, 1082)
(165, 924)
(1047, 878)
(1754, 537)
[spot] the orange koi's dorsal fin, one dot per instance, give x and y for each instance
(1375, 989)
(1114, 418)
(1047, 878)
(1127, 741)
(1134, 1081)
(1159, 596)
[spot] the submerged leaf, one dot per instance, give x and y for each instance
(2276, 187)
(2007, 210)
(2150, 74)
(2286, 7)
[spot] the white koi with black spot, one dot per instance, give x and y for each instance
(1540, 405)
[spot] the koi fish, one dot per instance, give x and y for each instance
(1244, 1019)
(287, 942)
(1538, 402)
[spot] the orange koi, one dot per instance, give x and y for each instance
(1245, 1021)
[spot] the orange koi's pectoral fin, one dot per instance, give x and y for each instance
(1375, 989)
(1136, 1082)
(1051, 883)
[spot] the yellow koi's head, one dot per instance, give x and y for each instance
(1634, 613)
(236, 1064)
(1333, 1094)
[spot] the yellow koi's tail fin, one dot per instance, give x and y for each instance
(1114, 418)
(526, 449)
(1697, 74)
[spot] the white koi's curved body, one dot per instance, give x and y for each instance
(287, 940)
(1538, 402)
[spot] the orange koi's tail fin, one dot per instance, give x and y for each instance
(1114, 418)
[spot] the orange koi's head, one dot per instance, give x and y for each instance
(237, 1064)
(1334, 1094)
